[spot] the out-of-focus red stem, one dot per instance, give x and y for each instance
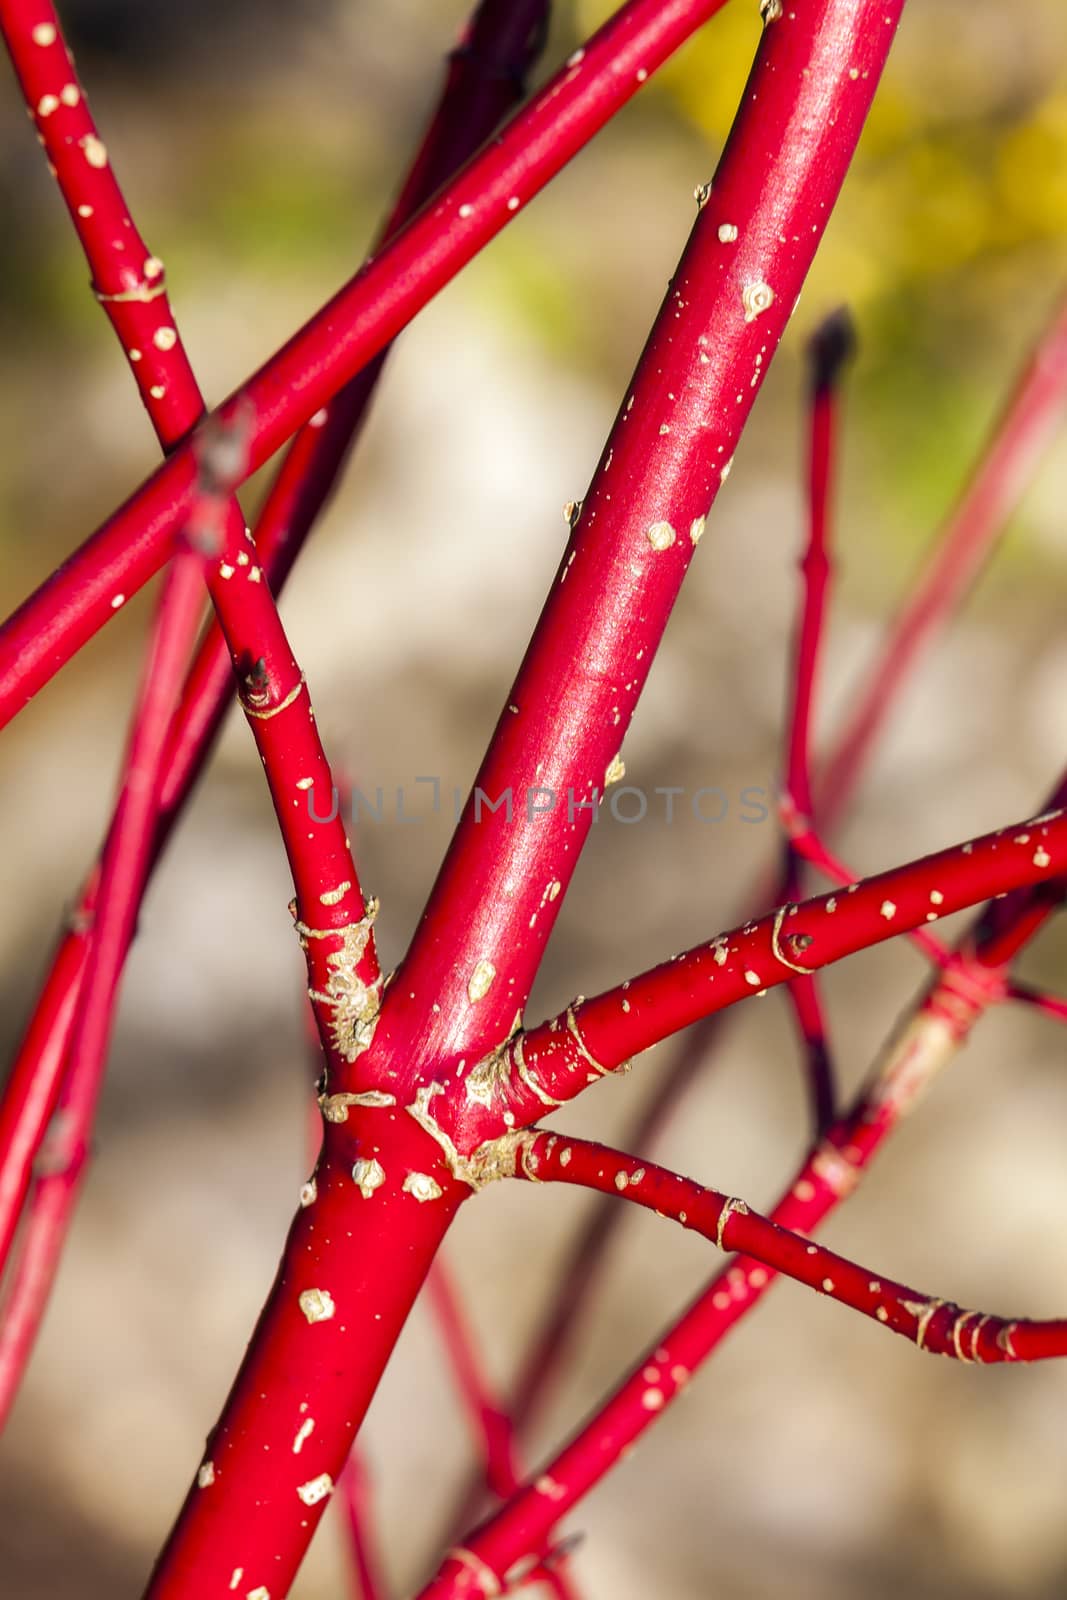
(804, 1000)
(1052, 1005)
(489, 1423)
(122, 876)
(350, 330)
(354, 1504)
(486, 76)
(829, 353)
(1001, 476)
(808, 845)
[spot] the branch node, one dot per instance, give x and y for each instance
(494, 1158)
(729, 1206)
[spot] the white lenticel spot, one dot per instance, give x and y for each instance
(727, 232)
(480, 981)
(44, 34)
(756, 298)
(333, 897)
(317, 1305)
(887, 910)
(422, 1187)
(661, 536)
(367, 1175)
(315, 1489)
(94, 150)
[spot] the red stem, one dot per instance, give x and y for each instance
(128, 282)
(808, 846)
(352, 329)
(557, 1060)
(353, 1263)
(734, 1226)
(489, 1423)
(829, 352)
(354, 1502)
(486, 76)
(122, 877)
(1052, 1005)
(1004, 471)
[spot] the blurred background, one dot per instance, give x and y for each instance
(258, 145)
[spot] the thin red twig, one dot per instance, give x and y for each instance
(489, 1423)
(1051, 1005)
(550, 1064)
(122, 877)
(1004, 470)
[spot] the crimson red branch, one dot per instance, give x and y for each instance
(933, 1324)
(558, 1059)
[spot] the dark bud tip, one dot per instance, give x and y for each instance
(832, 346)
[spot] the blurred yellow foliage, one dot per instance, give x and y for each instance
(965, 155)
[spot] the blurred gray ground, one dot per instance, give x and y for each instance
(816, 1456)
